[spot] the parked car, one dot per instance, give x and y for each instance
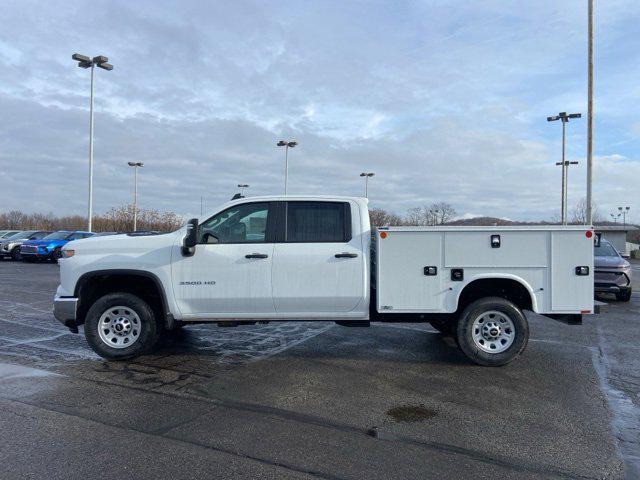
(10, 247)
(7, 233)
(283, 258)
(49, 247)
(612, 272)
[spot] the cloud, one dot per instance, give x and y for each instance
(443, 104)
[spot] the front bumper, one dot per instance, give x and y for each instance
(612, 281)
(65, 310)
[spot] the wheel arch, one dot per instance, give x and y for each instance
(147, 285)
(508, 286)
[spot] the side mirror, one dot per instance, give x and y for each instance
(191, 238)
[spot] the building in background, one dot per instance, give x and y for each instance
(617, 236)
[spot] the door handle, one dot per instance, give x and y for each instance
(256, 255)
(346, 255)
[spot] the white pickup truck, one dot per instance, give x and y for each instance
(314, 258)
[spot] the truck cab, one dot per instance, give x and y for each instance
(309, 258)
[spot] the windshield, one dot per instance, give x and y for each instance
(57, 236)
(17, 235)
(605, 250)
(9, 233)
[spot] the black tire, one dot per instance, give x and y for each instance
(55, 255)
(15, 253)
(28, 259)
(473, 350)
(148, 334)
(624, 296)
(446, 326)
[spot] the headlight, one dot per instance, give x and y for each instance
(68, 253)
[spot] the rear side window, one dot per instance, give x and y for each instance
(318, 222)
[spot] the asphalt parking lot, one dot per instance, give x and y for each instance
(314, 400)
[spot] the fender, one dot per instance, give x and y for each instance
(86, 277)
(506, 276)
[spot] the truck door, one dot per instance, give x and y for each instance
(230, 271)
(318, 265)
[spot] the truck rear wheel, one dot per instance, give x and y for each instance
(492, 331)
(121, 326)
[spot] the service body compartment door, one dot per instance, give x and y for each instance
(404, 279)
(571, 292)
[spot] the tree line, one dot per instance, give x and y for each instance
(428, 215)
(119, 219)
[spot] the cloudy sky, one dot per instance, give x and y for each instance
(443, 100)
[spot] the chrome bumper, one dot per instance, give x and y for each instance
(64, 309)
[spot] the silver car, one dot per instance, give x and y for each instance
(10, 246)
(612, 272)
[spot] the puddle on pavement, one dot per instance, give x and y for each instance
(411, 413)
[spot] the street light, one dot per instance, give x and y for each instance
(287, 145)
(366, 176)
(615, 217)
(242, 186)
(135, 166)
(87, 62)
(624, 211)
(565, 170)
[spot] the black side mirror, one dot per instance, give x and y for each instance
(191, 238)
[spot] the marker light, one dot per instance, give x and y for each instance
(68, 253)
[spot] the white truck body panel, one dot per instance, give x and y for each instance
(541, 258)
(305, 281)
(297, 280)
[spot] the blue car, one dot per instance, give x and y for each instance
(49, 247)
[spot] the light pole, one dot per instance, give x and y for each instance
(624, 211)
(589, 112)
(366, 176)
(242, 186)
(565, 170)
(615, 217)
(87, 62)
(135, 166)
(287, 145)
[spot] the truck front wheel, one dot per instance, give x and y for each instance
(492, 331)
(120, 326)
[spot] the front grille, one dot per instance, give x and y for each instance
(29, 249)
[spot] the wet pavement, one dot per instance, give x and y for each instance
(314, 400)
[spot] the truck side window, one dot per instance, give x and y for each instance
(246, 223)
(316, 222)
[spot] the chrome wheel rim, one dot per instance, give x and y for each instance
(493, 331)
(119, 327)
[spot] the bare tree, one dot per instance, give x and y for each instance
(115, 220)
(434, 214)
(443, 212)
(579, 212)
(419, 216)
(381, 218)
